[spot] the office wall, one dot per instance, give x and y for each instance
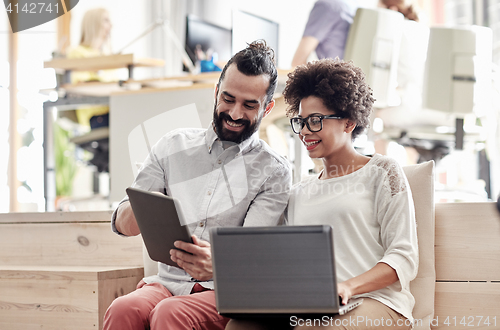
(4, 110)
(290, 14)
(131, 17)
(34, 46)
(4, 29)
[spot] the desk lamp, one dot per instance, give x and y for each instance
(164, 24)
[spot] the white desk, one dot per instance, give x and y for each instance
(130, 109)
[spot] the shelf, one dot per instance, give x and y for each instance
(102, 62)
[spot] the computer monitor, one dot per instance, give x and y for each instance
(208, 36)
(458, 73)
(373, 45)
(458, 69)
(248, 27)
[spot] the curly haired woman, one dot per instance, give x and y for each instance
(366, 200)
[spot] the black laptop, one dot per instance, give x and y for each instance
(276, 271)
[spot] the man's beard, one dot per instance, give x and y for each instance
(236, 137)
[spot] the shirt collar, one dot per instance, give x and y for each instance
(210, 137)
(244, 146)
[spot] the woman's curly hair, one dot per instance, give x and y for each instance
(341, 85)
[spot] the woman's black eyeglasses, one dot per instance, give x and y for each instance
(314, 122)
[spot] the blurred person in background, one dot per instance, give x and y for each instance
(94, 41)
(328, 26)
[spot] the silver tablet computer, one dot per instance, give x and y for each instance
(158, 217)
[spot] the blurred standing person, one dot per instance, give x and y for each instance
(405, 7)
(328, 26)
(94, 41)
(326, 30)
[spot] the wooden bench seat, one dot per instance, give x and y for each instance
(62, 270)
(467, 250)
(61, 297)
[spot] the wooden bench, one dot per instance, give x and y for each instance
(62, 270)
(467, 250)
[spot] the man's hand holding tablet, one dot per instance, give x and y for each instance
(197, 262)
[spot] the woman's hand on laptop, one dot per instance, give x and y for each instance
(378, 277)
(198, 262)
(344, 292)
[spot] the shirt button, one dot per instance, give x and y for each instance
(201, 224)
(219, 162)
(209, 193)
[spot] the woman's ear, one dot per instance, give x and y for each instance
(349, 126)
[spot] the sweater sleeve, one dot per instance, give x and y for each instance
(396, 216)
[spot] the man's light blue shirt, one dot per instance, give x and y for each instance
(217, 184)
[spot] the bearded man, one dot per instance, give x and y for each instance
(222, 176)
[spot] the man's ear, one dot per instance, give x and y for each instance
(349, 126)
(216, 91)
(269, 107)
